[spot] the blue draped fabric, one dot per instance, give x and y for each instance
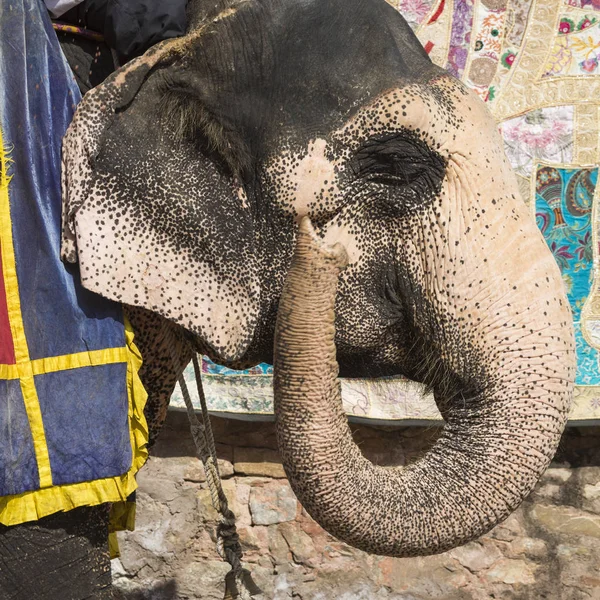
(63, 388)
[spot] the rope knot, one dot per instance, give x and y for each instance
(238, 582)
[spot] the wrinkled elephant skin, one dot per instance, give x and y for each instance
(186, 176)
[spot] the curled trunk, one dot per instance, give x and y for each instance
(491, 453)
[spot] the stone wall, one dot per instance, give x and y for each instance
(549, 549)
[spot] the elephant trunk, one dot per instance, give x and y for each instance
(493, 449)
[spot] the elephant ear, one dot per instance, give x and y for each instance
(152, 211)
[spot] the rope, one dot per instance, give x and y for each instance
(238, 582)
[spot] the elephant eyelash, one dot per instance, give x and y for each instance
(399, 159)
(397, 173)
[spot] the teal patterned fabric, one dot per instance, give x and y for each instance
(564, 214)
(211, 368)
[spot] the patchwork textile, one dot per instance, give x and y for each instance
(536, 63)
(72, 430)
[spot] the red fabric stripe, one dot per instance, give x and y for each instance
(429, 47)
(437, 13)
(7, 349)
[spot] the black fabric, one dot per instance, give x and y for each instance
(130, 27)
(62, 556)
(91, 62)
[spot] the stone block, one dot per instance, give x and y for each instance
(579, 567)
(300, 544)
(204, 580)
(569, 552)
(157, 467)
(240, 433)
(262, 462)
(557, 546)
(159, 489)
(591, 492)
(425, 577)
(558, 474)
(509, 529)
(548, 491)
(527, 547)
(185, 525)
(263, 577)
(239, 491)
(566, 520)
(511, 572)
(203, 546)
(185, 502)
(254, 538)
(273, 503)
(591, 497)
(205, 507)
(477, 556)
(237, 499)
(147, 589)
(195, 470)
(278, 547)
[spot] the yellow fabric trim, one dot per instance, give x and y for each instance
(34, 505)
(138, 428)
(113, 545)
(13, 301)
(31, 506)
(9, 372)
(94, 358)
(122, 517)
(106, 356)
(34, 415)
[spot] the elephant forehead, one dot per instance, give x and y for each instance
(302, 66)
(442, 111)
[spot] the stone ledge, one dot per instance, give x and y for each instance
(257, 461)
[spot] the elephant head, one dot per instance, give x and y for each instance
(186, 176)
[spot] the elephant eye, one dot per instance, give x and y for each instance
(390, 170)
(399, 159)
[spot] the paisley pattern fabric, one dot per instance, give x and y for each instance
(563, 210)
(537, 65)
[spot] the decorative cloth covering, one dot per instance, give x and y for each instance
(249, 395)
(537, 65)
(72, 428)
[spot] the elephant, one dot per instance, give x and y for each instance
(295, 182)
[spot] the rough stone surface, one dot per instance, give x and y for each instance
(512, 572)
(549, 549)
(570, 521)
(271, 504)
(477, 556)
(258, 461)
